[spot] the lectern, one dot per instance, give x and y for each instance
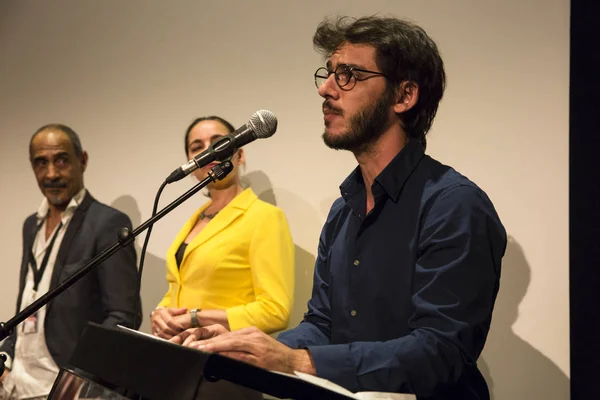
(119, 364)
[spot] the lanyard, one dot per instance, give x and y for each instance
(39, 272)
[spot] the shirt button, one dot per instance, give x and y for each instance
(356, 263)
(353, 313)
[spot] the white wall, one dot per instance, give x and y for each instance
(129, 76)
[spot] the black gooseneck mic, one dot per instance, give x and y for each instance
(262, 124)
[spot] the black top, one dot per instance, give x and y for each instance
(180, 253)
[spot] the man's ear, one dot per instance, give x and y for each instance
(84, 161)
(407, 96)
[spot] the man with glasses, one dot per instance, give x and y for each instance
(408, 263)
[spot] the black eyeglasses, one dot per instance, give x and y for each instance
(343, 76)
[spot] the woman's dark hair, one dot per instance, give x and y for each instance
(225, 123)
(403, 52)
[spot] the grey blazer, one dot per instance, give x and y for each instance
(106, 295)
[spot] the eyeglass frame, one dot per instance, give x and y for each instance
(349, 69)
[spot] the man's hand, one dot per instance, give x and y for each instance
(191, 335)
(253, 346)
(168, 322)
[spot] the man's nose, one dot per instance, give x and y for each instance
(329, 88)
(52, 172)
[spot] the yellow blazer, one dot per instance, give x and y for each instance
(241, 262)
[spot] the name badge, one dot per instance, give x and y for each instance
(30, 325)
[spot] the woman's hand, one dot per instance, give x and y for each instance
(168, 322)
(192, 335)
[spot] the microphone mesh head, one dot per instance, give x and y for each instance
(264, 123)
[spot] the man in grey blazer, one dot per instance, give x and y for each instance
(69, 228)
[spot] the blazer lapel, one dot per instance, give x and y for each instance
(183, 233)
(222, 220)
(65, 245)
(30, 229)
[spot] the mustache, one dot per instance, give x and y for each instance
(328, 107)
(54, 184)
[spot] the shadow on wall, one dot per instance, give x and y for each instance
(154, 283)
(304, 260)
(512, 367)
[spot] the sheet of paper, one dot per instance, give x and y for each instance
(142, 333)
(384, 396)
(324, 383)
(285, 374)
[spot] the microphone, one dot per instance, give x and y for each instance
(262, 124)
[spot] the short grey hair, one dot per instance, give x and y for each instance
(71, 134)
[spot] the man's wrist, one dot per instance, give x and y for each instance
(302, 362)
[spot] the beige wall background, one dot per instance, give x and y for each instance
(129, 76)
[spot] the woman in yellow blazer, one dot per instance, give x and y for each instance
(232, 263)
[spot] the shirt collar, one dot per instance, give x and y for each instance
(73, 204)
(391, 180)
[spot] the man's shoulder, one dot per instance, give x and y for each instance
(103, 211)
(338, 207)
(438, 178)
(29, 224)
(31, 219)
(337, 213)
(447, 189)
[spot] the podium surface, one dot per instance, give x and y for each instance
(136, 365)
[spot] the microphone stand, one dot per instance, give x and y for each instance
(125, 238)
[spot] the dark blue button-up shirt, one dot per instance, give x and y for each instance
(402, 297)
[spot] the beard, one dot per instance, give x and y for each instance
(366, 127)
(60, 198)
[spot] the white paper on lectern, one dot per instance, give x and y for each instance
(142, 333)
(384, 396)
(324, 383)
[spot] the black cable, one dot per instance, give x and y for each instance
(143, 256)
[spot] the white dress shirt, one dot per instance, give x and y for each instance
(33, 368)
